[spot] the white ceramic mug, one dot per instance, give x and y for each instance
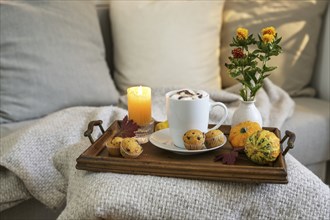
(183, 115)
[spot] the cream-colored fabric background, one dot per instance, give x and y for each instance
(165, 43)
(299, 25)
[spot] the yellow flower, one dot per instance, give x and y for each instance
(269, 30)
(268, 38)
(242, 33)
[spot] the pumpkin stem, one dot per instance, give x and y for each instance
(243, 130)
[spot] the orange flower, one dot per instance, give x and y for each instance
(268, 38)
(242, 33)
(269, 30)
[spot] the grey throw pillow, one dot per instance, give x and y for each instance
(52, 56)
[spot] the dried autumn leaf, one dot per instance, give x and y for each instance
(127, 128)
(228, 157)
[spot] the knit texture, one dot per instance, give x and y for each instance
(28, 152)
(120, 196)
(8, 196)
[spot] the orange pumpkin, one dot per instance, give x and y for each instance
(240, 132)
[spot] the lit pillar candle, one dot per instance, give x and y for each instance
(139, 105)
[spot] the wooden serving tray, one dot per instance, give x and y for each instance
(155, 161)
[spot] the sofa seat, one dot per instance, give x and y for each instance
(310, 123)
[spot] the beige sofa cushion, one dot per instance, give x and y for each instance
(298, 22)
(310, 123)
(166, 43)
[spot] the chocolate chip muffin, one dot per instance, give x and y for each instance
(130, 148)
(113, 146)
(194, 139)
(214, 138)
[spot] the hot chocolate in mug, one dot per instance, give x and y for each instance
(190, 109)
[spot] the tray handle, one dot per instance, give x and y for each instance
(290, 142)
(89, 131)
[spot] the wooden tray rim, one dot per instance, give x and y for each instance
(257, 174)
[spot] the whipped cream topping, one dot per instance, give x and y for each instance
(186, 94)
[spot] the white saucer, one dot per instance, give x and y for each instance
(162, 140)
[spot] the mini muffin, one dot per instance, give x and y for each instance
(214, 138)
(113, 146)
(194, 139)
(130, 148)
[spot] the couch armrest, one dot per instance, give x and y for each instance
(321, 79)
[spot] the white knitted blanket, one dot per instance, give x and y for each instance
(43, 157)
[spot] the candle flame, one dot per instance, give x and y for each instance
(140, 90)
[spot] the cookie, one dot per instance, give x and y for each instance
(214, 138)
(194, 139)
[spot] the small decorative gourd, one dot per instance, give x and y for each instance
(161, 125)
(262, 147)
(240, 132)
